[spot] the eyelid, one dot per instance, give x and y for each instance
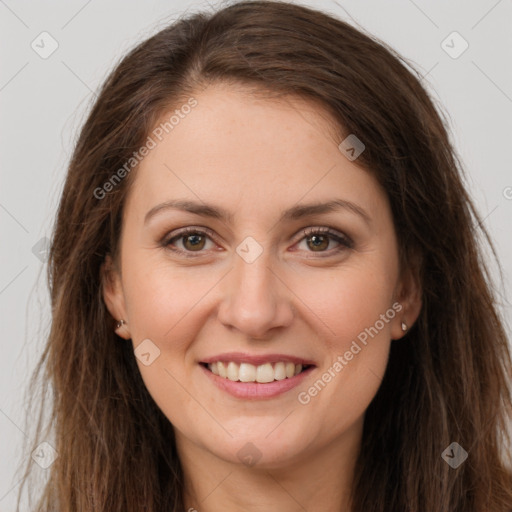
(188, 229)
(325, 230)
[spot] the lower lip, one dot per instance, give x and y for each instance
(257, 390)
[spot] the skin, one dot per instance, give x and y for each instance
(255, 158)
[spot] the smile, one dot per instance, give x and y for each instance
(263, 373)
(256, 376)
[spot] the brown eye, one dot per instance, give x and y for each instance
(320, 242)
(193, 242)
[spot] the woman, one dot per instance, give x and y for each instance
(266, 285)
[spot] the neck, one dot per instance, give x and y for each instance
(318, 479)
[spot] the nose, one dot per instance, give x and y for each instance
(255, 299)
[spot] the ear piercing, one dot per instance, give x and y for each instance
(404, 326)
(120, 324)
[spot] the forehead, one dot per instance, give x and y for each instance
(248, 151)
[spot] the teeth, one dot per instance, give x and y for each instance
(233, 371)
(221, 369)
(246, 373)
(263, 373)
(279, 371)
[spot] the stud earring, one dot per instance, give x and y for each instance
(404, 326)
(120, 324)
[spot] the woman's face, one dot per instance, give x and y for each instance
(247, 288)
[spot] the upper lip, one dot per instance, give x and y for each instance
(240, 357)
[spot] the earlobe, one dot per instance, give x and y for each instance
(113, 296)
(410, 297)
(122, 329)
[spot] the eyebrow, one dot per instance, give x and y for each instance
(295, 213)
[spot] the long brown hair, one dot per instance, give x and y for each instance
(447, 381)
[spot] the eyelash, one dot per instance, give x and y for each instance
(344, 241)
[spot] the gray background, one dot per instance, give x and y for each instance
(43, 103)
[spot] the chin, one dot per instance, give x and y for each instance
(261, 448)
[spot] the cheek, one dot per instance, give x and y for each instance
(166, 305)
(159, 298)
(348, 301)
(358, 310)
(354, 307)
(160, 303)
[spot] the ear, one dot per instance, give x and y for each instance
(409, 296)
(113, 295)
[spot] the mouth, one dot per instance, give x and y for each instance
(262, 374)
(256, 376)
